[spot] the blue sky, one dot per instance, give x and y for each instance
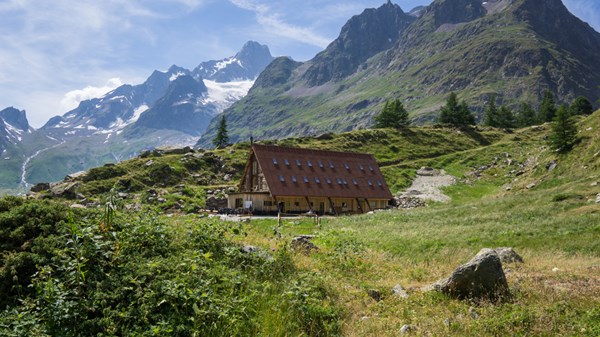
(56, 53)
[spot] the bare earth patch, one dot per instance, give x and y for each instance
(428, 184)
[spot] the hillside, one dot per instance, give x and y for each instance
(515, 49)
(141, 240)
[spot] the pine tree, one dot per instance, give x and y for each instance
(506, 118)
(221, 139)
(547, 108)
(393, 115)
(581, 106)
(491, 117)
(564, 131)
(456, 113)
(526, 116)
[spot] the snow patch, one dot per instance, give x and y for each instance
(176, 75)
(223, 95)
(138, 112)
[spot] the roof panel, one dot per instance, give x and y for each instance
(327, 173)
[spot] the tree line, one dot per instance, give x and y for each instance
(457, 113)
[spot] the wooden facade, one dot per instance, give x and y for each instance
(292, 180)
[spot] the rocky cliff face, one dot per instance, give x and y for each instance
(514, 49)
(361, 37)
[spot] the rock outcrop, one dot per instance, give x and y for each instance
(482, 278)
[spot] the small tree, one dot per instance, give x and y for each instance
(581, 106)
(393, 115)
(221, 139)
(506, 118)
(525, 115)
(547, 108)
(490, 116)
(564, 131)
(455, 113)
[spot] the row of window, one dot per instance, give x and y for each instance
(328, 180)
(322, 164)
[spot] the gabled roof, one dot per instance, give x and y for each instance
(317, 173)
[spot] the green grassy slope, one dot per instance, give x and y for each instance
(506, 195)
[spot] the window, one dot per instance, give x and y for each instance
(361, 167)
(309, 163)
(371, 168)
(268, 203)
(275, 161)
(306, 179)
(294, 179)
(354, 181)
(298, 162)
(331, 165)
(296, 203)
(317, 180)
(287, 163)
(347, 167)
(282, 178)
(370, 183)
(339, 181)
(345, 181)
(379, 183)
(320, 164)
(328, 180)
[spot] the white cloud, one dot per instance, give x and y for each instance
(273, 23)
(73, 98)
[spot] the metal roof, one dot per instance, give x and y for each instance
(317, 173)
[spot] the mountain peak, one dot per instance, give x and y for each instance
(15, 117)
(246, 65)
(455, 11)
(364, 35)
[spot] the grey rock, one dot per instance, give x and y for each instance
(65, 190)
(480, 278)
(149, 162)
(39, 187)
(530, 186)
(161, 200)
(406, 329)
(428, 171)
(473, 312)
(399, 291)
(551, 165)
(250, 249)
(77, 206)
(507, 255)
(76, 176)
(303, 244)
(598, 198)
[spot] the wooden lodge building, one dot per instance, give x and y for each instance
(294, 180)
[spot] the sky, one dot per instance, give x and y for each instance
(53, 54)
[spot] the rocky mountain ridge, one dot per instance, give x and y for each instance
(170, 108)
(515, 49)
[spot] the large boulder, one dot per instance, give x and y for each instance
(482, 278)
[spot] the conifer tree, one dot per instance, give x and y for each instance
(456, 113)
(547, 108)
(525, 115)
(581, 106)
(221, 139)
(506, 118)
(491, 117)
(564, 131)
(393, 115)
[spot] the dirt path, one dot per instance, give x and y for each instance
(428, 183)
